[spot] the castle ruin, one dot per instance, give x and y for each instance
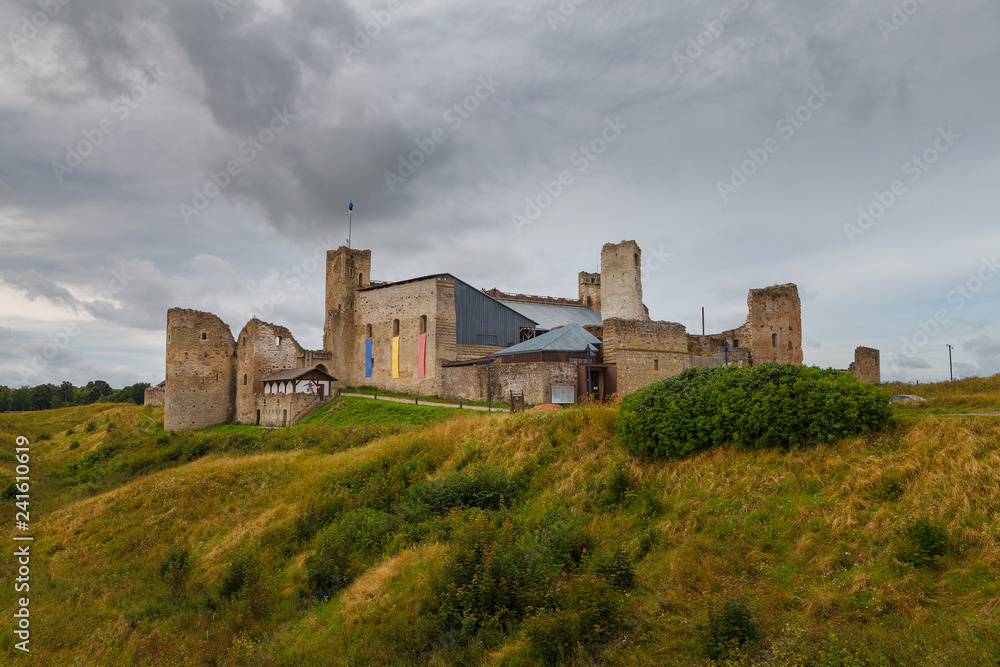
(437, 335)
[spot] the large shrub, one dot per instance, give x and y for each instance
(771, 405)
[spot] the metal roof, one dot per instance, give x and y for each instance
(294, 374)
(549, 315)
(570, 338)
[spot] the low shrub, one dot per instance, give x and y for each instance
(771, 405)
(243, 573)
(925, 544)
(175, 569)
(730, 627)
(329, 569)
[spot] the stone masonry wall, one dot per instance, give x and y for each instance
(201, 365)
(644, 351)
(867, 365)
(261, 349)
(408, 303)
(590, 290)
(774, 324)
(535, 379)
(154, 395)
(347, 271)
(621, 284)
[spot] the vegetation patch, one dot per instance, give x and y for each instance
(768, 406)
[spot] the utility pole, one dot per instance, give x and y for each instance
(951, 371)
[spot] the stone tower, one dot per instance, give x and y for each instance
(621, 283)
(590, 290)
(201, 367)
(347, 271)
(774, 324)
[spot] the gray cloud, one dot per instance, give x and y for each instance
(689, 122)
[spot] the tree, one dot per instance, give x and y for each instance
(4, 398)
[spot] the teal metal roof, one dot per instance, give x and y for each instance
(570, 338)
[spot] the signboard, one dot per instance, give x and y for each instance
(563, 394)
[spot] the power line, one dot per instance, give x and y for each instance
(893, 356)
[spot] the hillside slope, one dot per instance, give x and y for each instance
(207, 548)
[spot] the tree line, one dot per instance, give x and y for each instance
(48, 396)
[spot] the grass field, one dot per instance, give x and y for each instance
(201, 548)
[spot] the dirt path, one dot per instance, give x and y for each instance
(432, 404)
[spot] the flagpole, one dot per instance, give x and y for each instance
(350, 222)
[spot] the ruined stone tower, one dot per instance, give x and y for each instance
(262, 349)
(867, 365)
(201, 365)
(774, 325)
(347, 271)
(621, 284)
(590, 290)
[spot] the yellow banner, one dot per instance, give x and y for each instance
(395, 357)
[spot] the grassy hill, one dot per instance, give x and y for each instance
(391, 534)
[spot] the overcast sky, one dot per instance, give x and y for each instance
(200, 154)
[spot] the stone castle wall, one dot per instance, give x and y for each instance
(423, 306)
(201, 368)
(621, 284)
(773, 331)
(535, 379)
(261, 349)
(867, 365)
(590, 290)
(644, 351)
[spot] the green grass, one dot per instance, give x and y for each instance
(817, 544)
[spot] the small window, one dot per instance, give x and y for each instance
(361, 279)
(204, 335)
(588, 302)
(244, 379)
(736, 342)
(395, 328)
(369, 331)
(277, 341)
(423, 324)
(774, 340)
(592, 281)
(636, 257)
(656, 364)
(168, 338)
(218, 376)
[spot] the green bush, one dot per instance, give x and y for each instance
(329, 568)
(243, 573)
(731, 626)
(487, 488)
(75, 444)
(616, 569)
(925, 544)
(367, 531)
(91, 427)
(175, 569)
(554, 635)
(771, 405)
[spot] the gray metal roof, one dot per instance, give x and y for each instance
(570, 338)
(550, 315)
